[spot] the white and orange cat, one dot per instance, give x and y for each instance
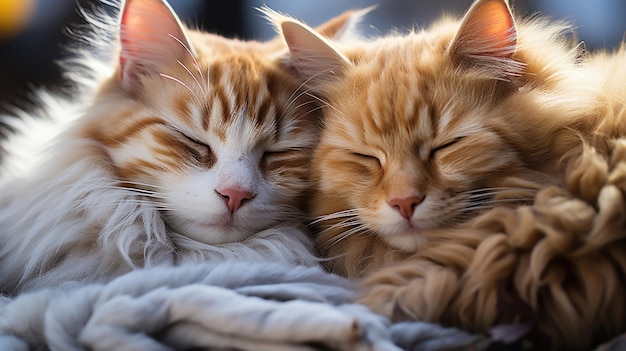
(187, 145)
(471, 119)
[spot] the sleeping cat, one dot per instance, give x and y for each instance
(426, 131)
(185, 146)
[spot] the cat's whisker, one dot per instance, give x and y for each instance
(134, 190)
(303, 114)
(147, 185)
(311, 111)
(336, 215)
(153, 196)
(360, 230)
(508, 201)
(338, 238)
(179, 82)
(131, 190)
(144, 202)
(486, 205)
(351, 211)
(195, 61)
(137, 192)
(293, 97)
(351, 223)
(148, 203)
(290, 110)
(192, 76)
(302, 92)
(342, 222)
(326, 103)
(292, 107)
(211, 44)
(347, 223)
(142, 186)
(495, 190)
(496, 200)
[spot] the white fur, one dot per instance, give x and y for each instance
(76, 224)
(64, 217)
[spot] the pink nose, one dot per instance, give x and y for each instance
(406, 206)
(234, 198)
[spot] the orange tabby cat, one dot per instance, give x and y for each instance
(427, 130)
(430, 129)
(184, 146)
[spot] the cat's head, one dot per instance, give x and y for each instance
(422, 131)
(215, 131)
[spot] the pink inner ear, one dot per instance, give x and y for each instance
(124, 42)
(498, 27)
(152, 37)
(487, 39)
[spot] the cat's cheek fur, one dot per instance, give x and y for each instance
(191, 207)
(194, 208)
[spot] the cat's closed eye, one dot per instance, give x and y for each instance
(276, 155)
(366, 158)
(275, 158)
(440, 147)
(201, 152)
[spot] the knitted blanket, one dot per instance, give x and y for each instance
(215, 306)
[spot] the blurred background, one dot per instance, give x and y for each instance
(32, 34)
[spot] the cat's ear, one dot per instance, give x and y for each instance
(343, 27)
(487, 39)
(311, 54)
(152, 38)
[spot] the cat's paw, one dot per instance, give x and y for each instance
(413, 290)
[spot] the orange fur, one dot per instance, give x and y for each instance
(470, 173)
(411, 116)
(558, 264)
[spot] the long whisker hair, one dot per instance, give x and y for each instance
(347, 220)
(468, 204)
(195, 63)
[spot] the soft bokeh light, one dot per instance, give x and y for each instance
(15, 15)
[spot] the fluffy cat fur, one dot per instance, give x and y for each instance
(438, 125)
(181, 145)
(472, 172)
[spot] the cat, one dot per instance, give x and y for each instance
(437, 140)
(184, 146)
(427, 130)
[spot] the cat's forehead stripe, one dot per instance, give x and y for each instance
(219, 129)
(260, 117)
(215, 74)
(183, 109)
(133, 129)
(241, 86)
(225, 102)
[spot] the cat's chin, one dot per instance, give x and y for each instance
(213, 233)
(408, 241)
